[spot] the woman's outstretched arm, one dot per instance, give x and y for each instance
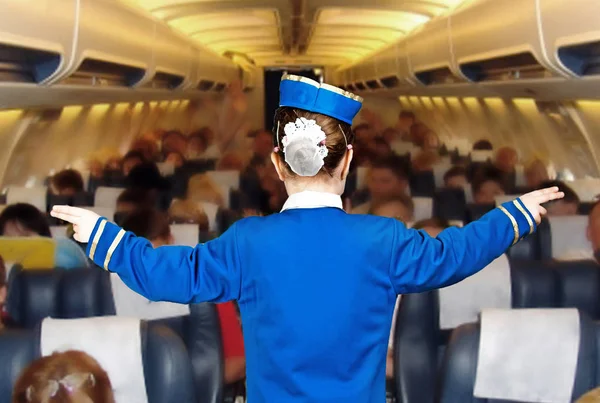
(420, 263)
(207, 272)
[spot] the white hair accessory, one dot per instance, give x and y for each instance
(304, 146)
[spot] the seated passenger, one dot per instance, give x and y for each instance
(536, 173)
(69, 377)
(231, 161)
(483, 145)
(188, 212)
(506, 160)
(154, 226)
(425, 160)
(569, 205)
(147, 176)
(147, 147)
(201, 188)
(175, 159)
(133, 198)
(131, 160)
(433, 226)
(387, 178)
(400, 207)
(5, 321)
(263, 147)
(197, 144)
(406, 119)
(96, 169)
(456, 178)
(66, 183)
(593, 236)
(24, 220)
(173, 140)
(431, 141)
(487, 189)
(381, 148)
(390, 135)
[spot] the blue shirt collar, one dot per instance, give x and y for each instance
(311, 199)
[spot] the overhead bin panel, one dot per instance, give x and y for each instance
(572, 35)
(113, 46)
(368, 73)
(392, 69)
(430, 54)
(36, 39)
(172, 59)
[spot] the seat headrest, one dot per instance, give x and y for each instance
(116, 344)
(528, 355)
(489, 288)
(568, 235)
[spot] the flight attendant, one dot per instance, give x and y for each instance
(316, 286)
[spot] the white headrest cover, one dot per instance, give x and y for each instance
(131, 304)
(36, 196)
(490, 288)
(107, 196)
(569, 233)
(114, 342)
(423, 208)
(528, 355)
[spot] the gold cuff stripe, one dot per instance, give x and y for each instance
(522, 210)
(97, 238)
(514, 223)
(112, 248)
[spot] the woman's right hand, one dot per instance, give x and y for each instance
(533, 201)
(83, 220)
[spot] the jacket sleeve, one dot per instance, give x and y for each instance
(207, 272)
(421, 263)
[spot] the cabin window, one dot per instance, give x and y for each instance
(583, 59)
(520, 66)
(19, 64)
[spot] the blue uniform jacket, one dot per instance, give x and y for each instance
(316, 288)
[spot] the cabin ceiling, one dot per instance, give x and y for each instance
(274, 32)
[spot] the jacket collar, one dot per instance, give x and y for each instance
(311, 199)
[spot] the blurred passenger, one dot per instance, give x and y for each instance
(231, 161)
(96, 169)
(431, 141)
(487, 189)
(114, 163)
(175, 159)
(433, 226)
(591, 251)
(151, 224)
(154, 226)
(536, 173)
(381, 149)
(506, 160)
(418, 134)
(274, 190)
(24, 220)
(198, 143)
(133, 199)
(146, 147)
(67, 182)
(569, 205)
(456, 178)
(174, 140)
(483, 145)
(391, 135)
(201, 188)
(147, 176)
(5, 321)
(67, 377)
(425, 160)
(406, 119)
(400, 207)
(131, 160)
(386, 178)
(263, 147)
(188, 212)
(364, 132)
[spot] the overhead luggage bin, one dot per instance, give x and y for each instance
(497, 44)
(36, 39)
(172, 61)
(431, 59)
(571, 37)
(392, 68)
(368, 73)
(113, 46)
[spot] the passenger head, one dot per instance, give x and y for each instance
(387, 178)
(400, 207)
(364, 133)
(69, 377)
(486, 190)
(431, 141)
(96, 168)
(433, 226)
(337, 162)
(132, 199)
(21, 219)
(146, 176)
(114, 163)
(536, 172)
(391, 134)
(456, 178)
(506, 159)
(201, 188)
(263, 143)
(381, 148)
(405, 120)
(593, 229)
(131, 160)
(231, 161)
(188, 212)
(568, 205)
(198, 142)
(425, 160)
(483, 145)
(3, 285)
(150, 224)
(66, 183)
(146, 147)
(418, 133)
(174, 140)
(175, 159)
